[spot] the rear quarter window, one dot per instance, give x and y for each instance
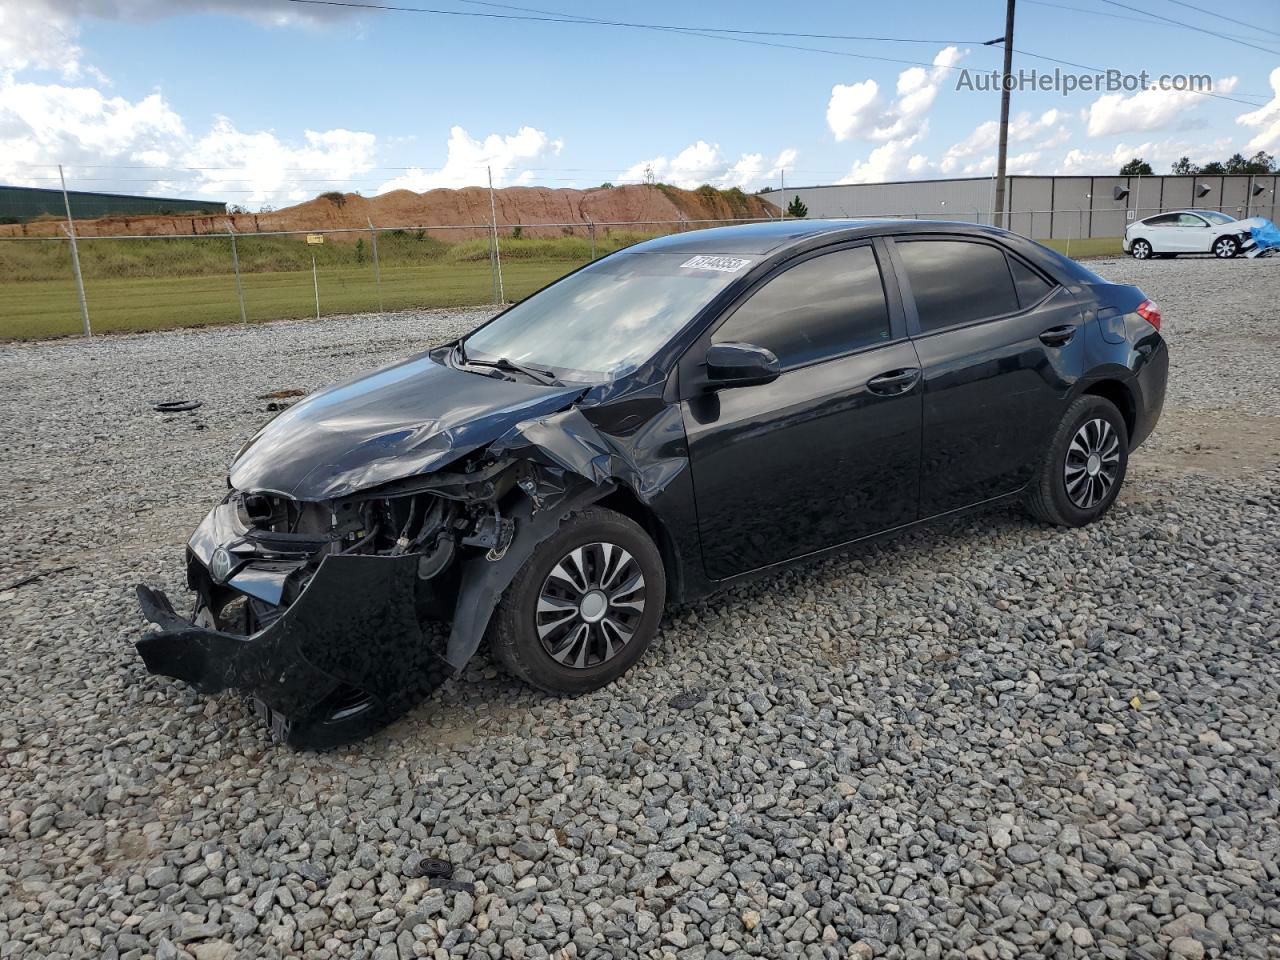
(1031, 287)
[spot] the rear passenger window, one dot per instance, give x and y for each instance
(1031, 286)
(954, 281)
(818, 309)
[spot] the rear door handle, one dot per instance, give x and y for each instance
(894, 382)
(1058, 336)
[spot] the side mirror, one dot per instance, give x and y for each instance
(741, 365)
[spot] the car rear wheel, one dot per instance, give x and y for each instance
(584, 607)
(1085, 465)
(1140, 249)
(1224, 248)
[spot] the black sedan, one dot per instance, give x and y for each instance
(671, 418)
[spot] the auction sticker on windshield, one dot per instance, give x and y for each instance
(721, 264)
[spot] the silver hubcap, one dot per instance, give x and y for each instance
(590, 605)
(1140, 250)
(1224, 247)
(1093, 463)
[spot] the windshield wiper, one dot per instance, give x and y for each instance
(544, 377)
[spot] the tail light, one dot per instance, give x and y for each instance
(1149, 311)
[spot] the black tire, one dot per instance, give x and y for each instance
(1048, 497)
(514, 629)
(1224, 248)
(1140, 249)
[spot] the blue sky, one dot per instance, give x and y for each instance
(272, 101)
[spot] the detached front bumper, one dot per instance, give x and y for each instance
(345, 658)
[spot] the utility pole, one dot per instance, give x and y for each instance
(1006, 81)
(783, 174)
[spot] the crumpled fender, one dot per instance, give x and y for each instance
(575, 465)
(483, 581)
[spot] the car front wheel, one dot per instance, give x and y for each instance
(1141, 250)
(1224, 248)
(584, 607)
(1085, 465)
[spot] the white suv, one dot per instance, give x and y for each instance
(1187, 231)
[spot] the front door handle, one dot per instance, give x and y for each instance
(894, 382)
(1058, 336)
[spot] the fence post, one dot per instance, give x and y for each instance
(235, 263)
(592, 224)
(315, 280)
(377, 267)
(75, 256)
(497, 254)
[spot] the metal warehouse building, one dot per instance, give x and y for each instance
(24, 204)
(1043, 207)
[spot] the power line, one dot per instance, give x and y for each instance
(556, 17)
(1115, 16)
(1190, 26)
(1223, 16)
(759, 33)
(688, 31)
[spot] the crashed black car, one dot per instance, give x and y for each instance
(663, 421)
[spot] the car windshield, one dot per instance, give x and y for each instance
(1214, 217)
(607, 319)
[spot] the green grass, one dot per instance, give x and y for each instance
(1083, 248)
(49, 308)
(163, 257)
(158, 283)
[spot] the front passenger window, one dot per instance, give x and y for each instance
(821, 308)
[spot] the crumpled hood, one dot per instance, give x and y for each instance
(407, 419)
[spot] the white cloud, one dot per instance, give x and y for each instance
(467, 159)
(32, 36)
(889, 161)
(857, 110)
(853, 109)
(703, 162)
(1159, 153)
(1266, 119)
(1153, 109)
(52, 123)
(42, 125)
(272, 167)
(1022, 127)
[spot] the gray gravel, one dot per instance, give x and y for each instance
(986, 739)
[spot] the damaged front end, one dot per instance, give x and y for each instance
(323, 612)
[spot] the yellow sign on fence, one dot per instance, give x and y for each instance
(315, 238)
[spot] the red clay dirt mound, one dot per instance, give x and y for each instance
(436, 208)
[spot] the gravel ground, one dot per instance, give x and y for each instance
(985, 739)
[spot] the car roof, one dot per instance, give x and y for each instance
(755, 238)
(1198, 213)
(778, 238)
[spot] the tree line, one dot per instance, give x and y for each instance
(1260, 163)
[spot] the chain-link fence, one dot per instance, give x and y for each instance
(154, 282)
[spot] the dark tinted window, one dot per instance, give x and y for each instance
(1031, 286)
(957, 282)
(818, 309)
(1164, 220)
